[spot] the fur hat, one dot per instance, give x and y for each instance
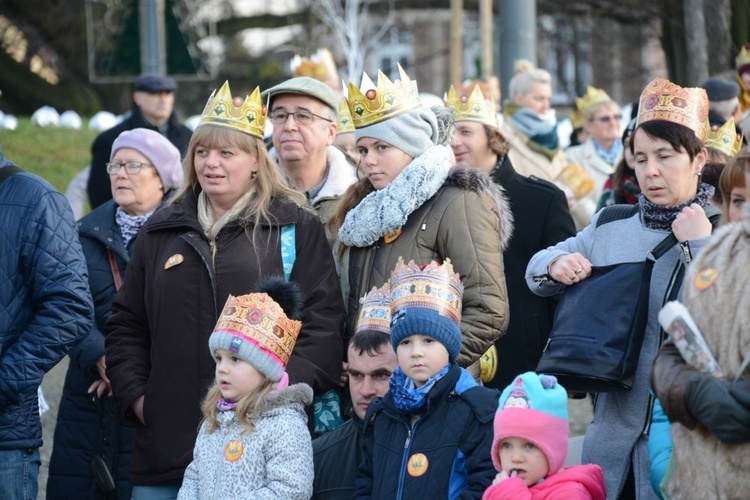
(261, 328)
(535, 408)
(162, 154)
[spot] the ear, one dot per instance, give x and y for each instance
(332, 127)
(700, 160)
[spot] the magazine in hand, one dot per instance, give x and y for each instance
(677, 322)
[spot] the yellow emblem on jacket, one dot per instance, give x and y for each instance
(174, 260)
(391, 236)
(417, 465)
(705, 278)
(234, 450)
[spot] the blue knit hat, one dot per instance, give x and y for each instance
(426, 300)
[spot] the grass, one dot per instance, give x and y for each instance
(56, 154)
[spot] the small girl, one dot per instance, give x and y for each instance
(254, 442)
(531, 443)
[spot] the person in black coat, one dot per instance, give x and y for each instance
(144, 168)
(152, 108)
(541, 219)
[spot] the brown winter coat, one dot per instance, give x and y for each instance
(163, 316)
(467, 220)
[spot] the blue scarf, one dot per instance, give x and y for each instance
(130, 224)
(608, 156)
(407, 398)
(536, 128)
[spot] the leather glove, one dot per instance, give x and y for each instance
(722, 407)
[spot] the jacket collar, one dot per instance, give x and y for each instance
(503, 171)
(341, 175)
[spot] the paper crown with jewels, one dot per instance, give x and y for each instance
(664, 100)
(576, 118)
(432, 286)
(373, 104)
(345, 123)
(472, 107)
(724, 138)
(320, 66)
(248, 117)
(257, 319)
(743, 58)
(593, 96)
(375, 311)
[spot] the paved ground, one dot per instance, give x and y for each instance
(580, 417)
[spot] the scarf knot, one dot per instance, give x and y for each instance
(406, 396)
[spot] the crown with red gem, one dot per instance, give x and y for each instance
(724, 138)
(664, 100)
(248, 117)
(593, 96)
(432, 286)
(472, 107)
(375, 312)
(372, 104)
(259, 320)
(320, 66)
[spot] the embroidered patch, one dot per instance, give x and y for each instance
(392, 236)
(235, 345)
(174, 260)
(234, 450)
(705, 278)
(417, 465)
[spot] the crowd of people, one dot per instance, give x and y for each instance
(354, 306)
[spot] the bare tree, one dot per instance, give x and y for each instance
(349, 24)
(695, 37)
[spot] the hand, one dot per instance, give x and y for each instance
(570, 269)
(691, 223)
(722, 407)
(101, 367)
(137, 408)
(502, 476)
(100, 387)
(344, 374)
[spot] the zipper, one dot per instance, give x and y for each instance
(686, 251)
(189, 237)
(546, 345)
(405, 459)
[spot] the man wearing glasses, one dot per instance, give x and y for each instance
(303, 112)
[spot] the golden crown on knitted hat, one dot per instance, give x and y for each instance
(345, 122)
(375, 312)
(473, 107)
(320, 66)
(743, 58)
(257, 318)
(593, 96)
(249, 117)
(385, 101)
(724, 138)
(664, 100)
(432, 286)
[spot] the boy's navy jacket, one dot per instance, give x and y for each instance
(453, 435)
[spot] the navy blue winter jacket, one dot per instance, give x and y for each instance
(45, 304)
(443, 454)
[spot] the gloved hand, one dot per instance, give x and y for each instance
(722, 407)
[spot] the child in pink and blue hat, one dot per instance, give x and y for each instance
(531, 443)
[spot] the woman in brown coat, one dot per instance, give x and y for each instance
(220, 236)
(411, 202)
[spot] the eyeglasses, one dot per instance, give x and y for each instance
(300, 117)
(607, 119)
(131, 167)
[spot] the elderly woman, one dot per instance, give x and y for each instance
(235, 221)
(669, 156)
(411, 203)
(144, 169)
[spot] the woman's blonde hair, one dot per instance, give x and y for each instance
(269, 183)
(245, 414)
(731, 177)
(526, 75)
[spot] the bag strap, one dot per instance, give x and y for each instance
(616, 212)
(664, 245)
(9, 170)
(288, 249)
(115, 269)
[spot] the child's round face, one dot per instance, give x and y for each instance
(236, 377)
(521, 456)
(421, 357)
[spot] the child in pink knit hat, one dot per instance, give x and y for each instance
(531, 443)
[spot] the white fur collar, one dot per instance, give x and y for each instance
(387, 209)
(341, 174)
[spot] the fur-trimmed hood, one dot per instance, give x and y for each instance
(474, 180)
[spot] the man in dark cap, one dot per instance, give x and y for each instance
(152, 108)
(723, 101)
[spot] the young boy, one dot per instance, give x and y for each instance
(531, 443)
(432, 431)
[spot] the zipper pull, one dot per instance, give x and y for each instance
(408, 439)
(546, 345)
(686, 251)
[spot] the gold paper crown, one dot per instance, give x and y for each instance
(375, 312)
(724, 138)
(320, 66)
(258, 319)
(385, 101)
(743, 58)
(664, 100)
(593, 96)
(576, 118)
(431, 286)
(345, 123)
(472, 108)
(490, 87)
(249, 117)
